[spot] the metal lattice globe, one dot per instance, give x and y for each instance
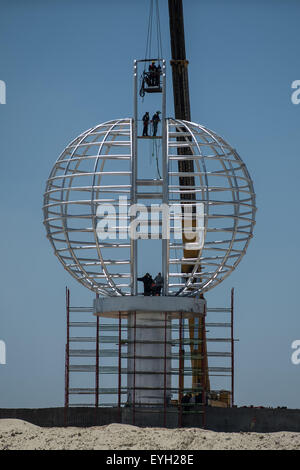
(96, 168)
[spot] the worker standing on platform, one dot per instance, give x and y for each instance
(148, 281)
(146, 120)
(155, 121)
(152, 73)
(159, 283)
(158, 73)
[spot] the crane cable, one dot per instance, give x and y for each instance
(153, 18)
(158, 31)
(149, 33)
(154, 150)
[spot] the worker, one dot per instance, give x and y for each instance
(158, 73)
(153, 288)
(198, 398)
(155, 121)
(148, 281)
(159, 283)
(146, 120)
(185, 400)
(152, 73)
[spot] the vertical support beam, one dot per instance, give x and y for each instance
(67, 356)
(119, 366)
(181, 352)
(165, 373)
(232, 346)
(165, 177)
(97, 364)
(204, 372)
(134, 173)
(180, 378)
(134, 369)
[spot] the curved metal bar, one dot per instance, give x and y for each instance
(108, 276)
(232, 173)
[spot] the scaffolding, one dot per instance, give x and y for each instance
(101, 348)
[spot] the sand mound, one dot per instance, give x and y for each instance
(16, 425)
(16, 434)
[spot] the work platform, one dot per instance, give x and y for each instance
(153, 89)
(175, 306)
(149, 137)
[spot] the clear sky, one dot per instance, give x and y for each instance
(67, 65)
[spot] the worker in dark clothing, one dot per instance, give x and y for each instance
(185, 400)
(152, 73)
(159, 283)
(153, 288)
(158, 73)
(148, 281)
(155, 121)
(146, 120)
(198, 398)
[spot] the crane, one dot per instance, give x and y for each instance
(182, 109)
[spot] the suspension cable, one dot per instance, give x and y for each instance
(158, 30)
(150, 31)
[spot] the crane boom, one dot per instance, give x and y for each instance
(181, 105)
(179, 62)
(182, 109)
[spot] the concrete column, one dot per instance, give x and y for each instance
(147, 344)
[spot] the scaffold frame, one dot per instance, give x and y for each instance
(109, 346)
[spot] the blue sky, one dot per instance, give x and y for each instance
(67, 65)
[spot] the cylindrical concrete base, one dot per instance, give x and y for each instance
(149, 363)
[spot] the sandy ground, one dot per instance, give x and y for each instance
(17, 434)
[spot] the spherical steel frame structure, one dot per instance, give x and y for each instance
(97, 168)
